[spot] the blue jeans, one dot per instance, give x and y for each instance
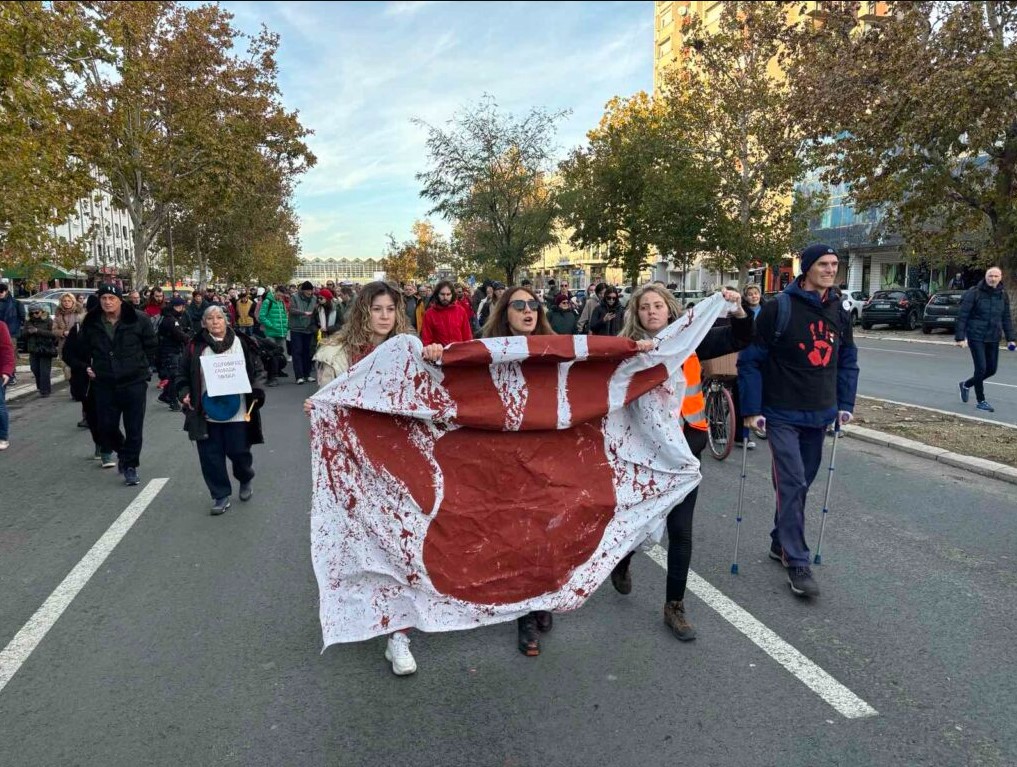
(985, 355)
(797, 453)
(5, 419)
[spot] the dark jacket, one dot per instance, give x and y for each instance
(564, 323)
(729, 334)
(984, 315)
(175, 330)
(126, 358)
(12, 314)
(188, 381)
(194, 311)
(40, 338)
(601, 327)
(811, 372)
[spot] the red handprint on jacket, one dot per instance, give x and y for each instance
(821, 353)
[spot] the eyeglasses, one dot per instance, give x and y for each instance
(519, 306)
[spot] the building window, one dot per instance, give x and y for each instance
(664, 49)
(125, 231)
(666, 19)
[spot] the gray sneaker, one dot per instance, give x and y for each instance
(220, 505)
(246, 491)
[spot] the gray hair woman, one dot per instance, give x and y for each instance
(228, 424)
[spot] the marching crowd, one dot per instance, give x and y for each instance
(797, 375)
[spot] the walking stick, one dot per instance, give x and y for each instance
(829, 483)
(741, 497)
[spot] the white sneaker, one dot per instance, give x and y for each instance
(4, 444)
(397, 652)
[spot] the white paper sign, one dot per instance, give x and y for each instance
(225, 374)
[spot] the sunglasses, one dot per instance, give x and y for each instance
(532, 305)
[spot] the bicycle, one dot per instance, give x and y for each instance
(720, 417)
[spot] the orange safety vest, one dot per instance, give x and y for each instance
(694, 404)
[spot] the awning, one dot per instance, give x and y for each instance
(46, 271)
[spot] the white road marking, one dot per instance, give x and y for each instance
(894, 351)
(808, 673)
(32, 633)
(1009, 386)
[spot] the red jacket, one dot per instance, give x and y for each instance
(445, 325)
(7, 358)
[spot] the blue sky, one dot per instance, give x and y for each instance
(358, 72)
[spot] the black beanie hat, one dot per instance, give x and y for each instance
(813, 253)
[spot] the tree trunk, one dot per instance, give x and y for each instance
(202, 263)
(140, 257)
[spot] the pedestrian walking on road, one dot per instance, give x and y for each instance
(175, 332)
(68, 315)
(121, 349)
(653, 308)
(563, 318)
(8, 361)
(445, 320)
(377, 314)
(593, 297)
(272, 315)
(303, 327)
(12, 311)
(41, 341)
(984, 318)
(224, 426)
(799, 376)
(608, 318)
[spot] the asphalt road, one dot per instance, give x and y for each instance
(927, 374)
(197, 641)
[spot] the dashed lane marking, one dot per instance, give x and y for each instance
(32, 633)
(808, 673)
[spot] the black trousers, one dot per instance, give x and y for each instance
(114, 403)
(41, 367)
(300, 348)
(679, 532)
(225, 440)
(985, 355)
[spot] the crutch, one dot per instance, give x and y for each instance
(741, 497)
(829, 483)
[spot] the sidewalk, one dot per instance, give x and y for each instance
(26, 382)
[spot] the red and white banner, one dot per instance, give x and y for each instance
(512, 477)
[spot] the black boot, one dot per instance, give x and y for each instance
(529, 639)
(621, 578)
(545, 620)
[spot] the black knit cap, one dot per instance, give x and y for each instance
(813, 253)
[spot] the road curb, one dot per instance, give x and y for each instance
(980, 466)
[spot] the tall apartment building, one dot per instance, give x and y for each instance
(868, 263)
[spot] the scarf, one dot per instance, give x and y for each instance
(218, 347)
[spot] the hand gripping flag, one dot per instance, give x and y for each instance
(512, 477)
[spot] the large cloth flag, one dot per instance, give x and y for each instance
(512, 477)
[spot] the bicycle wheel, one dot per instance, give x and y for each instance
(720, 419)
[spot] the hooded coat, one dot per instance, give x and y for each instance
(129, 355)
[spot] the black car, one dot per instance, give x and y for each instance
(898, 307)
(942, 310)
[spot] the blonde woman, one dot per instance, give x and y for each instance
(69, 314)
(650, 310)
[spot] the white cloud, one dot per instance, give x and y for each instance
(358, 74)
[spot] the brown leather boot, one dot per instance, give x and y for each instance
(621, 578)
(674, 616)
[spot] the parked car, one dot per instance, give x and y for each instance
(55, 293)
(770, 295)
(942, 311)
(898, 307)
(688, 298)
(624, 294)
(853, 303)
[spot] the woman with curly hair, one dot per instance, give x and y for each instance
(377, 314)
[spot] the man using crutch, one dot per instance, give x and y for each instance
(799, 376)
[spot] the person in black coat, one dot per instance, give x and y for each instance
(121, 350)
(984, 318)
(224, 426)
(609, 317)
(175, 331)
